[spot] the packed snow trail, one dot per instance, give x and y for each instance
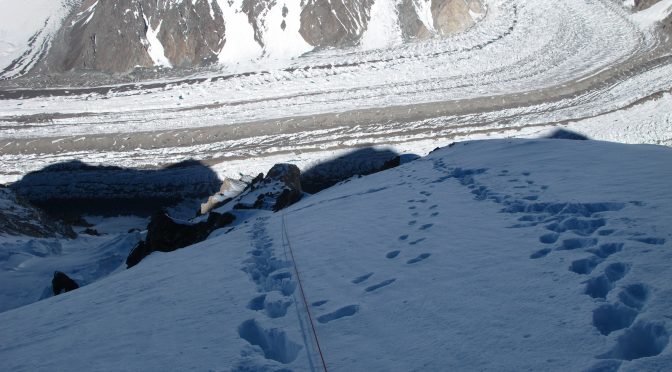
(526, 66)
(303, 294)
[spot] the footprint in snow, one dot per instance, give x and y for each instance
(338, 314)
(426, 226)
(361, 278)
(420, 258)
(319, 303)
(392, 254)
(380, 285)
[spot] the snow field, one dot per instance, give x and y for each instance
(489, 255)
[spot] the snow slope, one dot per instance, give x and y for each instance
(487, 255)
(26, 28)
(27, 264)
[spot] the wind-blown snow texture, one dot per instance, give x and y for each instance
(490, 255)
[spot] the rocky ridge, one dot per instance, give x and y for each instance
(119, 36)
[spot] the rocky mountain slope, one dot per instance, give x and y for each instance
(118, 36)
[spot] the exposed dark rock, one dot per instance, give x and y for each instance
(279, 189)
(90, 231)
(164, 234)
(287, 198)
(62, 283)
(335, 23)
(288, 174)
(392, 163)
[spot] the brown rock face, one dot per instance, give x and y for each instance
(94, 40)
(111, 35)
(452, 16)
(120, 35)
(191, 34)
(334, 23)
(343, 23)
(411, 25)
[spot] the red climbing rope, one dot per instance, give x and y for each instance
(303, 293)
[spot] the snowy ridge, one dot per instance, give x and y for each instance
(486, 255)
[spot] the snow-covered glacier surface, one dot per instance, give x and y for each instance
(486, 255)
(525, 67)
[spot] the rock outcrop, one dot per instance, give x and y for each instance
(279, 189)
(120, 35)
(62, 283)
(453, 16)
(117, 36)
(164, 234)
(334, 23)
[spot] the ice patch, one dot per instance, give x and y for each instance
(281, 36)
(154, 46)
(383, 29)
(240, 45)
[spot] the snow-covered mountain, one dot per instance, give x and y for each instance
(485, 255)
(118, 36)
